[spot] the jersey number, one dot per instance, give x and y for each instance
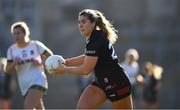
(113, 55)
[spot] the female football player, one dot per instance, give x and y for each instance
(111, 83)
(26, 57)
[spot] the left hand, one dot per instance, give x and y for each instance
(35, 62)
(58, 71)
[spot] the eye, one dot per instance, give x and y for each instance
(83, 22)
(17, 33)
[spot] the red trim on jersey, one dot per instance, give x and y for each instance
(123, 90)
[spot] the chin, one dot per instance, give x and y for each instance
(83, 34)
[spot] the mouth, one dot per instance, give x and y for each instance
(82, 30)
(17, 39)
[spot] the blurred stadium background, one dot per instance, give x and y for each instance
(150, 26)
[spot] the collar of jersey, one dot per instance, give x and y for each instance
(92, 36)
(23, 46)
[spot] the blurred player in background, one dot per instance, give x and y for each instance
(111, 82)
(5, 85)
(131, 66)
(150, 80)
(26, 57)
(84, 81)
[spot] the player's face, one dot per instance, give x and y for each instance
(130, 58)
(85, 26)
(19, 35)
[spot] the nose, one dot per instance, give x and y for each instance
(17, 37)
(80, 25)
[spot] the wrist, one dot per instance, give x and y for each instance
(65, 69)
(13, 64)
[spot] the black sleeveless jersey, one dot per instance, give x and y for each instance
(107, 65)
(110, 76)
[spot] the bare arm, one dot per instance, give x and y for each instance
(10, 68)
(86, 68)
(75, 61)
(2, 67)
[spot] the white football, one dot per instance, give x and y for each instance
(53, 62)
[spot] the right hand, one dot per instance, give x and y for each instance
(59, 71)
(16, 61)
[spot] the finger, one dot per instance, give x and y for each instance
(55, 74)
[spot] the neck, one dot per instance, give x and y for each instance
(22, 45)
(89, 35)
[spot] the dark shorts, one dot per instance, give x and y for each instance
(116, 91)
(5, 95)
(38, 87)
(150, 96)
